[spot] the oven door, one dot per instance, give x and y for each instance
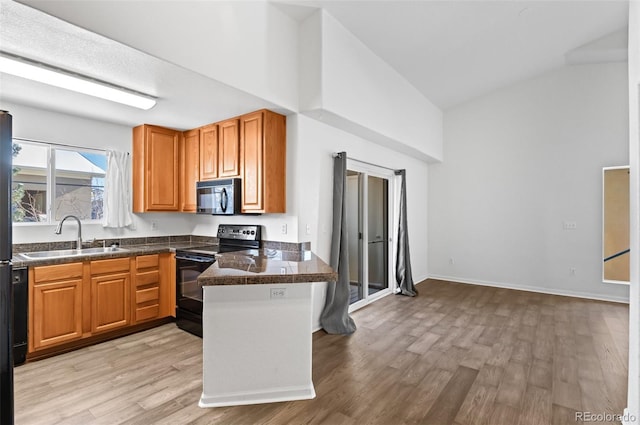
(188, 292)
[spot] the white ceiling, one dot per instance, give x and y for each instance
(451, 51)
(185, 98)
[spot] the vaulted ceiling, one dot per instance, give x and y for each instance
(451, 51)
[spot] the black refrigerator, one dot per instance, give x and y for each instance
(6, 286)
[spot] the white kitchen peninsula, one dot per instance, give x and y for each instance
(257, 326)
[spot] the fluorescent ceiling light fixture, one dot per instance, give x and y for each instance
(42, 73)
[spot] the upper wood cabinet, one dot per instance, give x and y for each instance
(220, 150)
(168, 163)
(209, 152)
(263, 162)
(229, 148)
(156, 171)
(190, 169)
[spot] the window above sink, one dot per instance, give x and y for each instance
(51, 181)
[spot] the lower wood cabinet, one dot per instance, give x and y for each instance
(69, 302)
(56, 305)
(110, 292)
(146, 305)
(110, 296)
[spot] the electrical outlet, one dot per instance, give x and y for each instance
(452, 261)
(283, 229)
(572, 271)
(278, 293)
(154, 225)
(308, 229)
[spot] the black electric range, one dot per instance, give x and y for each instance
(191, 262)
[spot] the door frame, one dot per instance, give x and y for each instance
(365, 170)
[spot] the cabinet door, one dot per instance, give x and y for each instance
(209, 152)
(252, 150)
(229, 149)
(57, 312)
(110, 301)
(162, 155)
(190, 154)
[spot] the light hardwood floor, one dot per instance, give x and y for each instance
(456, 354)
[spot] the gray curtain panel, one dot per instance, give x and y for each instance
(335, 317)
(403, 262)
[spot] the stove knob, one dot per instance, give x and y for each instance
(253, 232)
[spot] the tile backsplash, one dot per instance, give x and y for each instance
(170, 240)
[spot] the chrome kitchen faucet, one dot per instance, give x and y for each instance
(59, 229)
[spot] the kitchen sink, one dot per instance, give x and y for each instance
(69, 252)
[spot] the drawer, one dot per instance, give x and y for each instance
(147, 278)
(147, 261)
(110, 266)
(145, 313)
(149, 294)
(57, 272)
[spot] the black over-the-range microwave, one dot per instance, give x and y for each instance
(218, 197)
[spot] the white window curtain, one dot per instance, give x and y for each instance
(117, 201)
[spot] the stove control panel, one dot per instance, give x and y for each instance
(239, 231)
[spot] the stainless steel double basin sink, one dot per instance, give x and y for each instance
(61, 253)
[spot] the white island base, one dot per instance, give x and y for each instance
(256, 344)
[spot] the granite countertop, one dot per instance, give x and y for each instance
(131, 250)
(263, 266)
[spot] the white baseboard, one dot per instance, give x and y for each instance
(417, 281)
(527, 288)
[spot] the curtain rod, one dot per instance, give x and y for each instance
(61, 145)
(396, 171)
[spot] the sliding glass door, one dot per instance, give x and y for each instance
(378, 233)
(368, 220)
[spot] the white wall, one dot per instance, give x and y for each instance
(633, 392)
(518, 163)
(46, 126)
(314, 169)
(249, 45)
(272, 225)
(344, 83)
(314, 172)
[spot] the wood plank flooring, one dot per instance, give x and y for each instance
(456, 354)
